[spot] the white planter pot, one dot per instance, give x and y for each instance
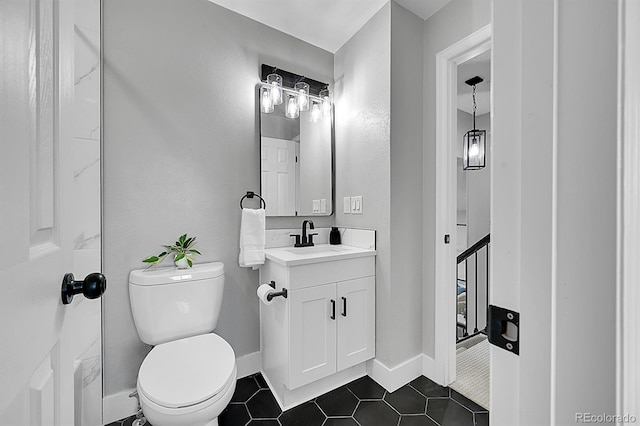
(182, 263)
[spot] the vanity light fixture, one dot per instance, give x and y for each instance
(293, 109)
(474, 141)
(266, 100)
(316, 112)
(275, 85)
(303, 95)
(307, 94)
(326, 101)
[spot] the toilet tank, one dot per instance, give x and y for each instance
(170, 304)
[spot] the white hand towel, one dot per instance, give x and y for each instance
(252, 238)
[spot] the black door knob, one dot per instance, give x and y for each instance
(93, 286)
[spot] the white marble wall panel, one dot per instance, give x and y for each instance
(87, 327)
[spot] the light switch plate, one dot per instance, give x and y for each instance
(347, 205)
(316, 206)
(356, 204)
(323, 205)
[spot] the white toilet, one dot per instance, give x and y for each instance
(189, 377)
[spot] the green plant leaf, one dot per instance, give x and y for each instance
(188, 242)
(190, 263)
(151, 259)
(195, 251)
(164, 253)
(182, 238)
(179, 256)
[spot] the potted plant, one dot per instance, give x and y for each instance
(183, 257)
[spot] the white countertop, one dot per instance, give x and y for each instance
(292, 256)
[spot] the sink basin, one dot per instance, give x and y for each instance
(291, 256)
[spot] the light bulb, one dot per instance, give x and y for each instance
(302, 89)
(293, 110)
(474, 150)
(266, 100)
(275, 81)
(316, 113)
(326, 102)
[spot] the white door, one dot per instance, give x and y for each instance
(356, 326)
(312, 334)
(36, 177)
(279, 176)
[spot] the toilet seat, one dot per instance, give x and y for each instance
(187, 372)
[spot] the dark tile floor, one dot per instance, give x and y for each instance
(362, 402)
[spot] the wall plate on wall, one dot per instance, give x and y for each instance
(347, 205)
(356, 204)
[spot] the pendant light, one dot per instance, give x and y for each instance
(474, 141)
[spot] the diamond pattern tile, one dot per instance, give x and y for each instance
(362, 402)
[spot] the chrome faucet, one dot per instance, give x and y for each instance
(307, 240)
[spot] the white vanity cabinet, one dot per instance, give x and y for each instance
(332, 328)
(325, 326)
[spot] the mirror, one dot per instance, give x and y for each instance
(296, 163)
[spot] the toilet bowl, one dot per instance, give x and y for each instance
(189, 377)
(188, 381)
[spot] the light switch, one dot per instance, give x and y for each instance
(323, 205)
(316, 206)
(356, 204)
(347, 205)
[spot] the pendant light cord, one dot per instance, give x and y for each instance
(474, 107)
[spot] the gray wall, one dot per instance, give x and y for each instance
(362, 109)
(181, 144)
(455, 21)
(378, 98)
(404, 313)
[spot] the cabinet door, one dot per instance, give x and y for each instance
(356, 321)
(312, 338)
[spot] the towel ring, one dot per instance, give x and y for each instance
(251, 194)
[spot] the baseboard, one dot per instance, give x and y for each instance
(430, 369)
(119, 406)
(394, 378)
(249, 364)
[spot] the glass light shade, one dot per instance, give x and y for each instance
(293, 110)
(275, 81)
(316, 112)
(302, 89)
(266, 101)
(473, 149)
(326, 102)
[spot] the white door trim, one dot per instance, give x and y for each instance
(628, 229)
(446, 130)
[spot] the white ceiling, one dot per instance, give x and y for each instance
(327, 24)
(478, 66)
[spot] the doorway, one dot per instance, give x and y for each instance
(473, 197)
(446, 291)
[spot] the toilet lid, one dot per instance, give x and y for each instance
(186, 371)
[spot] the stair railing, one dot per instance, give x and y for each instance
(464, 257)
